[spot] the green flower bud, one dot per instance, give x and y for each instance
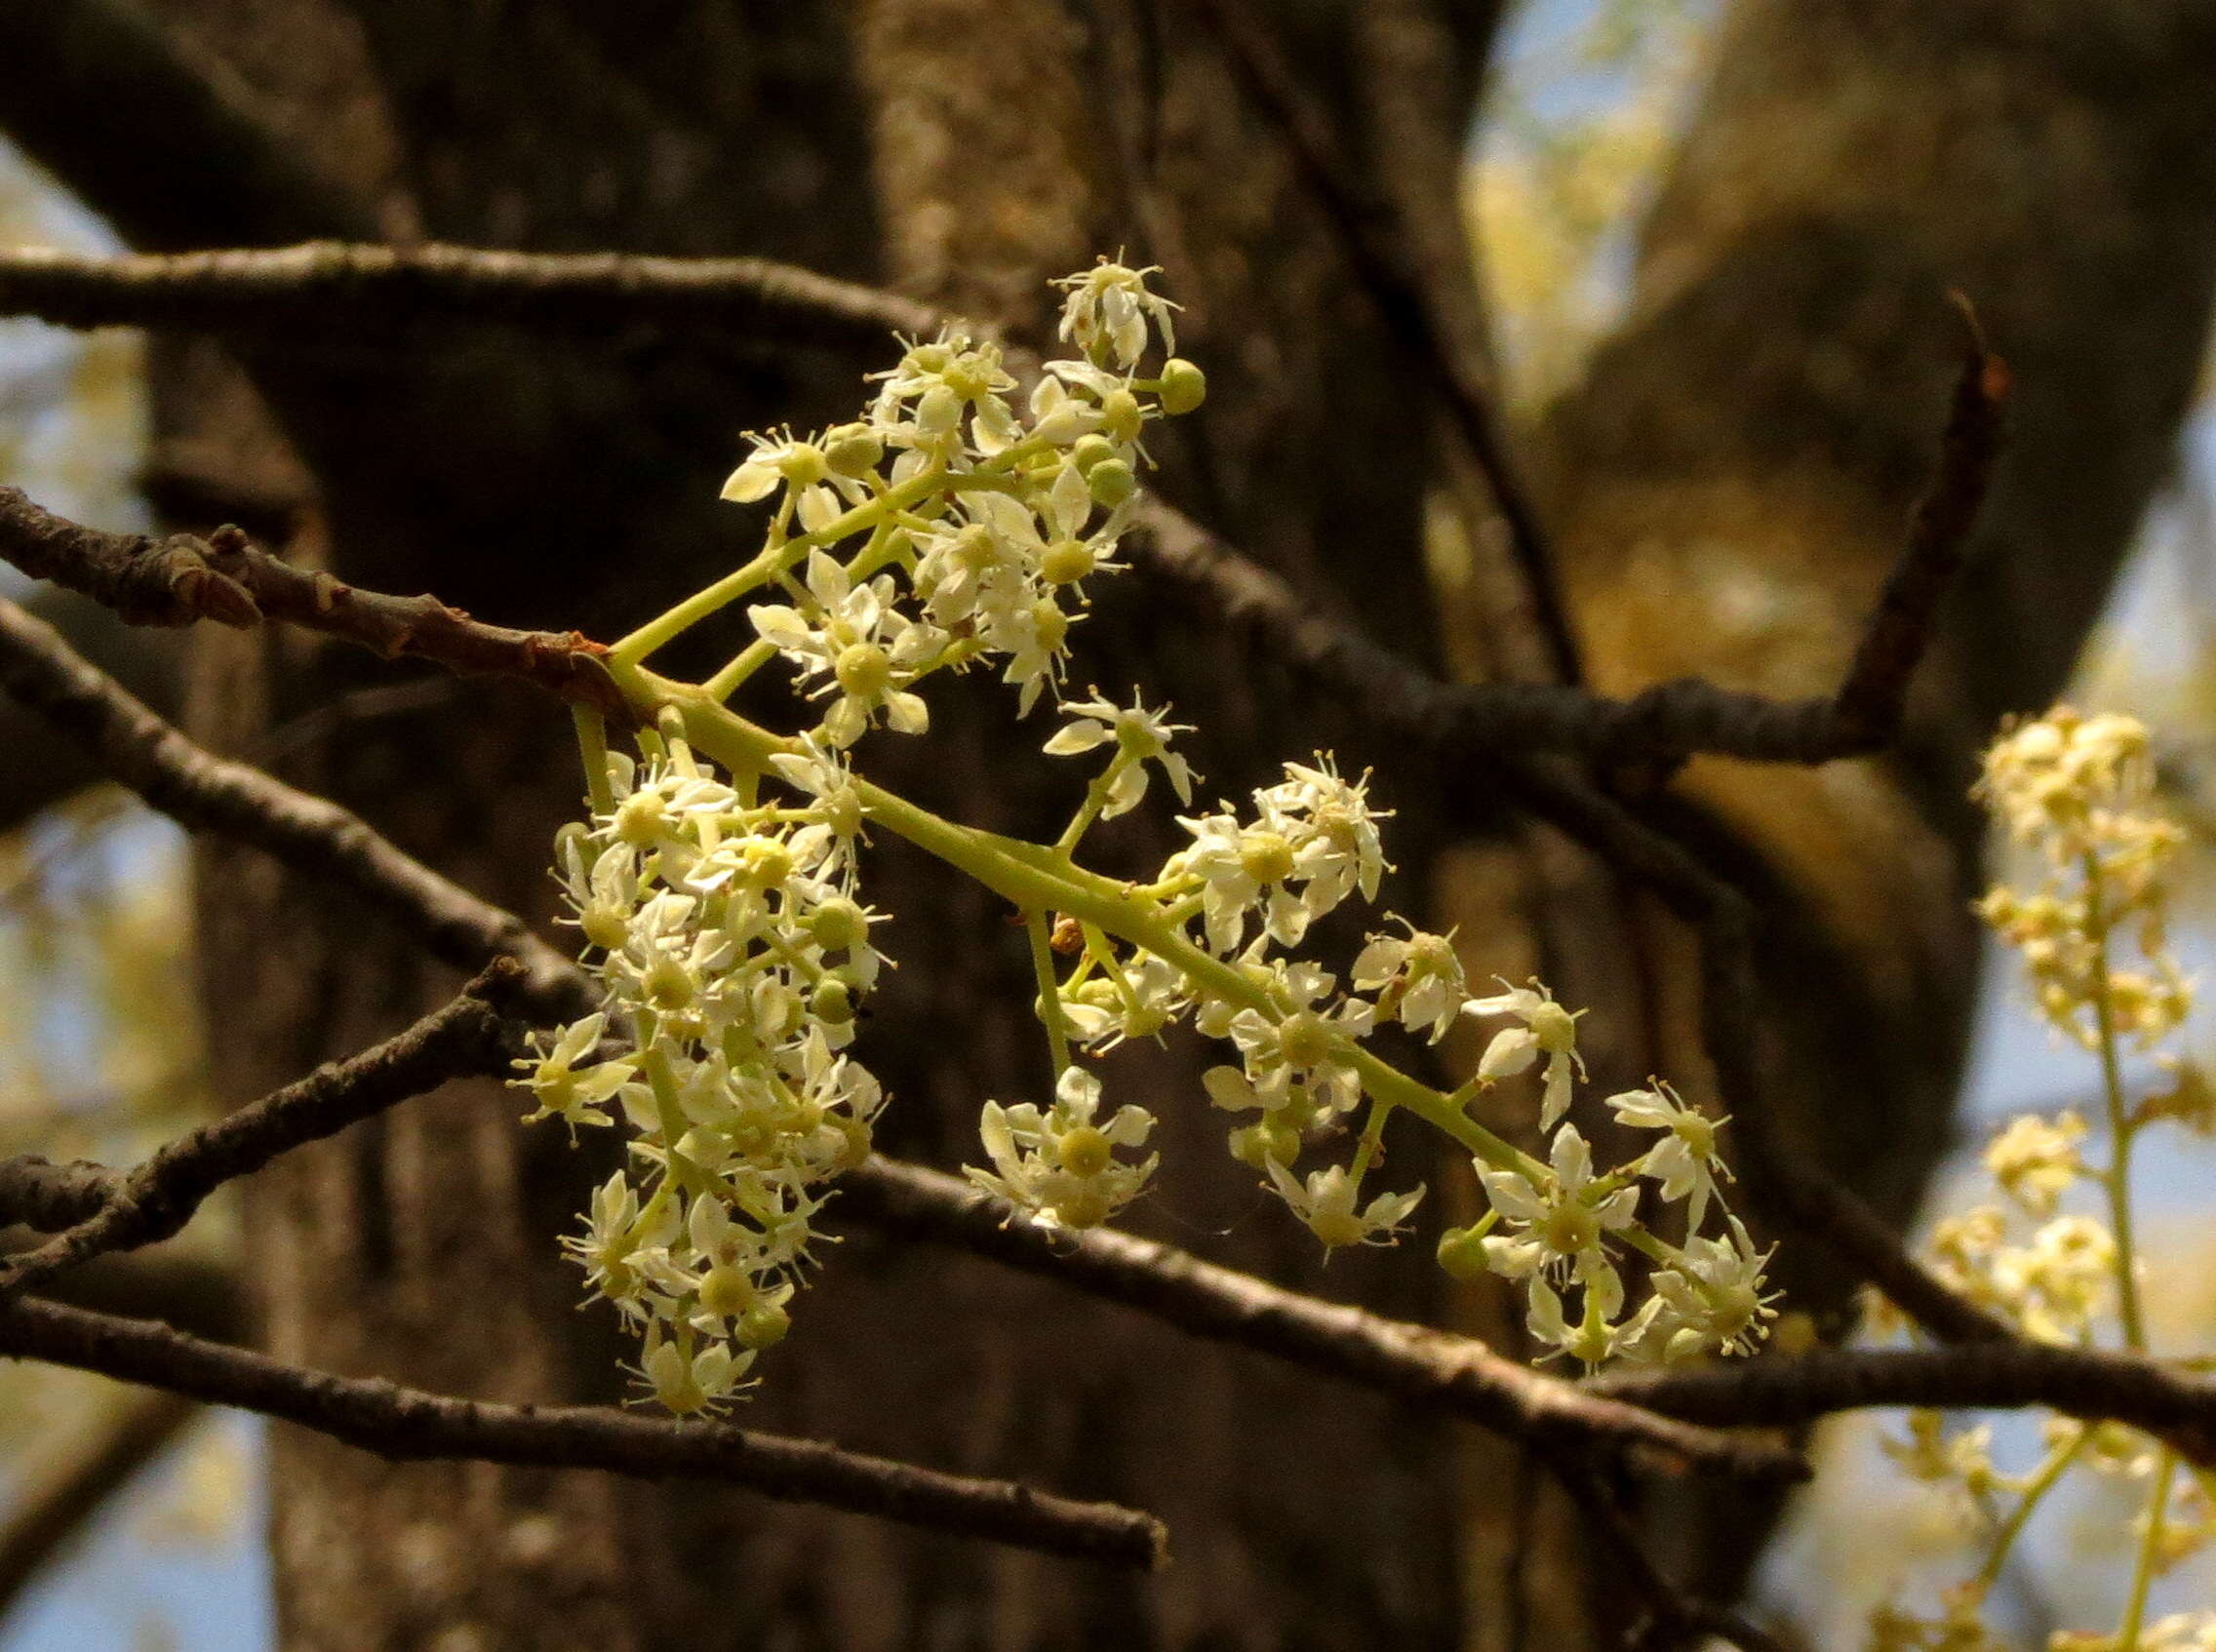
(1084, 1151)
(1111, 482)
(727, 1290)
(1184, 386)
(1120, 415)
(852, 450)
(803, 464)
(764, 1326)
(1270, 1139)
(1066, 562)
(838, 923)
(1092, 451)
(1462, 1253)
(605, 925)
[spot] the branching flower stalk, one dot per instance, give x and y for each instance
(717, 889)
(2078, 791)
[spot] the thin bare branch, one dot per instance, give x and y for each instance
(310, 834)
(1415, 1362)
(405, 1423)
(1662, 724)
(255, 291)
(1676, 1621)
(182, 578)
(1423, 1367)
(2091, 1384)
(1660, 727)
(156, 1200)
(36, 1192)
(146, 581)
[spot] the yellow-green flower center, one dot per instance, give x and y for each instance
(863, 670)
(1265, 856)
(1084, 1151)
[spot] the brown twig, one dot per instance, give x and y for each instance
(39, 1194)
(1423, 1367)
(257, 290)
(1662, 724)
(1432, 1368)
(182, 578)
(405, 1423)
(312, 835)
(1659, 727)
(1866, 711)
(176, 155)
(1415, 1362)
(2091, 1384)
(146, 581)
(155, 1200)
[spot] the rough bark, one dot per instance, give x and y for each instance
(1728, 485)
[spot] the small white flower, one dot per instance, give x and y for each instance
(2035, 1160)
(1242, 868)
(1686, 1162)
(781, 459)
(1417, 979)
(575, 1095)
(862, 643)
(1141, 737)
(821, 771)
(1591, 1338)
(1714, 1294)
(2056, 1284)
(1339, 850)
(1144, 995)
(937, 384)
(1108, 309)
(1300, 1044)
(1547, 1030)
(1034, 635)
(1059, 1165)
(968, 571)
(1563, 1225)
(600, 883)
(1325, 1202)
(693, 1383)
(618, 1236)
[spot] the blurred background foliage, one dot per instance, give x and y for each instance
(99, 1058)
(99, 1055)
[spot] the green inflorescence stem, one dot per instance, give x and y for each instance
(1035, 877)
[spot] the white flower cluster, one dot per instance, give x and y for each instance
(943, 528)
(1313, 842)
(2078, 791)
(1565, 1225)
(732, 953)
(1257, 882)
(958, 523)
(1012, 511)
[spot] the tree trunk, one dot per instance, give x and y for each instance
(1729, 486)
